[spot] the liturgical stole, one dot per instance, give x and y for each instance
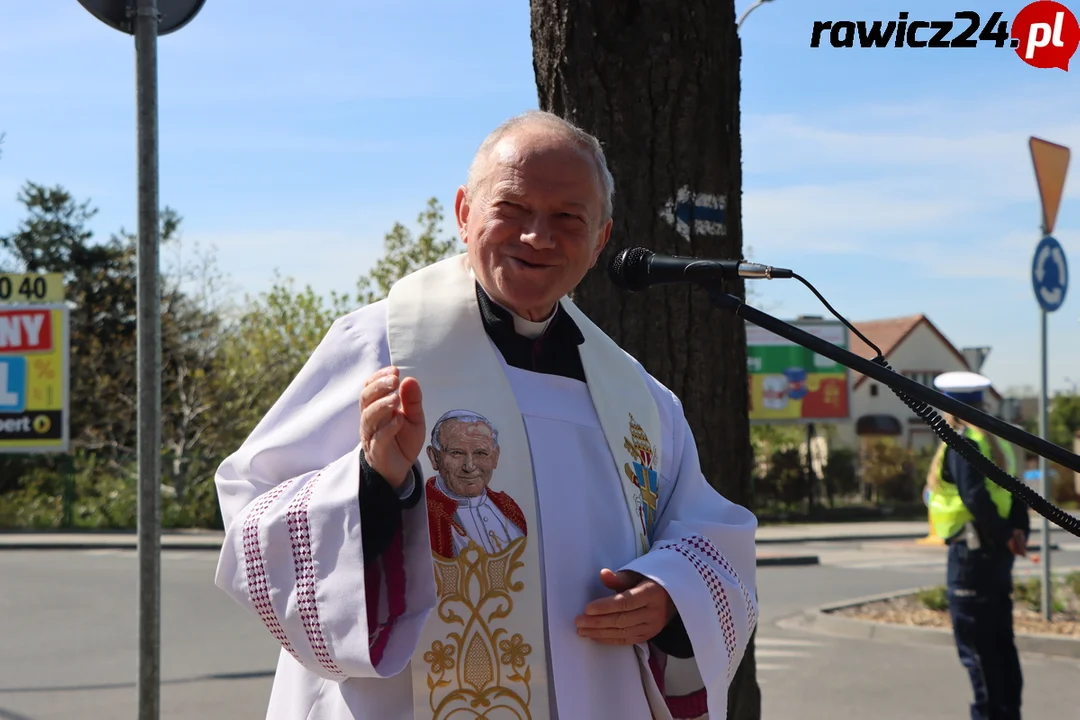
(482, 652)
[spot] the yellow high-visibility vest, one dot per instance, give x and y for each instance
(1009, 453)
(947, 511)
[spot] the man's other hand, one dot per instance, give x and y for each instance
(1018, 543)
(636, 613)
(391, 424)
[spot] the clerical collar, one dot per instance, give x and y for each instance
(497, 318)
(522, 326)
(530, 329)
(553, 352)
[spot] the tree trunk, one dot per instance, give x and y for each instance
(657, 81)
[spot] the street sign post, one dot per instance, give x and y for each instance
(146, 20)
(1050, 281)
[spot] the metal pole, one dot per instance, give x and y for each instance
(149, 362)
(1044, 479)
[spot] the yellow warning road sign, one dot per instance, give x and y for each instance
(1051, 164)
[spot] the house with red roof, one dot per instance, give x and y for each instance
(917, 349)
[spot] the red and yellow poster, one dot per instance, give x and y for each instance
(790, 383)
(33, 378)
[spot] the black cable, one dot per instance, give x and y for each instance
(962, 445)
(838, 316)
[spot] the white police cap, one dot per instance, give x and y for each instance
(962, 385)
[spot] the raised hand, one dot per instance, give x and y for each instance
(391, 424)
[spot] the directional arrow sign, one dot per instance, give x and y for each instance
(1049, 274)
(701, 211)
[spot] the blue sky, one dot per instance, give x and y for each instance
(293, 136)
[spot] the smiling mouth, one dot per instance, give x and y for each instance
(527, 264)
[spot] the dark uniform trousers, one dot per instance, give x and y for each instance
(979, 584)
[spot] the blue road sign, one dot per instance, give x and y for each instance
(1049, 274)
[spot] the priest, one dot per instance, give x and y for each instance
(553, 552)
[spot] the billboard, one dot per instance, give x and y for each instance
(789, 383)
(34, 387)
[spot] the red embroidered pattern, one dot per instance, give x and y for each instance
(257, 581)
(716, 589)
(300, 537)
(703, 545)
(393, 561)
(372, 585)
(683, 707)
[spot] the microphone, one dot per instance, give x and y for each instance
(637, 268)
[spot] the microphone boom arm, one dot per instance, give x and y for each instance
(894, 380)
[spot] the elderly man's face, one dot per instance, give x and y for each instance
(534, 226)
(468, 457)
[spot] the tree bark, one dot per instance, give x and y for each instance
(657, 81)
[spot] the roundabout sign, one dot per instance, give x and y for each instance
(1049, 274)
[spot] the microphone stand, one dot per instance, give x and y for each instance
(726, 301)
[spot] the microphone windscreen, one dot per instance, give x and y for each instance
(629, 269)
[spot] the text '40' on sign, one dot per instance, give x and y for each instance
(32, 288)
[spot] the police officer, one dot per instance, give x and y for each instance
(985, 527)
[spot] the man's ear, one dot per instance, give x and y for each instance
(461, 212)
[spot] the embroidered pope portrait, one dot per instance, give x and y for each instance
(462, 507)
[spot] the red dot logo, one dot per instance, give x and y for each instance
(1045, 34)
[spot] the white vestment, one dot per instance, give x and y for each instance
(349, 633)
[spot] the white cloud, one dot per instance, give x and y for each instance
(889, 183)
(1006, 257)
(844, 217)
(993, 161)
(325, 259)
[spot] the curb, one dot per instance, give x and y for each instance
(103, 545)
(839, 538)
(787, 560)
(106, 541)
(823, 619)
(94, 545)
(194, 542)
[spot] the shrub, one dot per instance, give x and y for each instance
(840, 474)
(935, 598)
(890, 469)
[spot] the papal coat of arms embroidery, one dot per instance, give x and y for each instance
(642, 472)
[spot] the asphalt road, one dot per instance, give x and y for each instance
(68, 621)
(812, 676)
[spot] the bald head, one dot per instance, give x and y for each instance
(536, 132)
(535, 212)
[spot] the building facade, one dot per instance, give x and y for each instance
(915, 348)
